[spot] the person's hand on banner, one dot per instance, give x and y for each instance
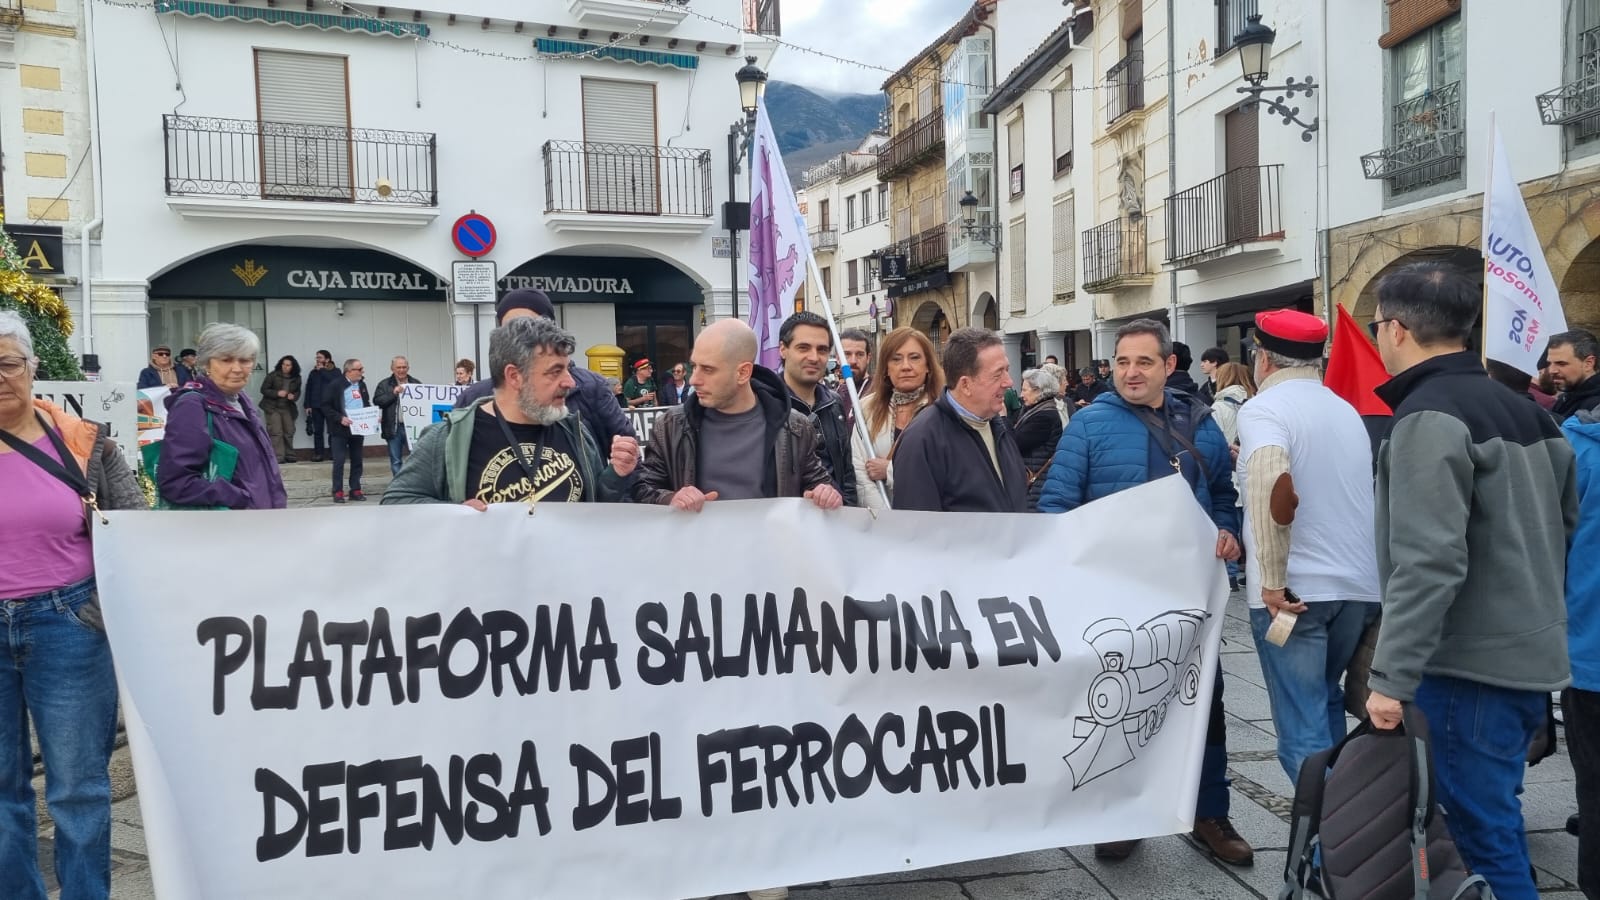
(878, 469)
(476, 504)
(690, 499)
(1385, 712)
(624, 454)
(825, 497)
(1227, 545)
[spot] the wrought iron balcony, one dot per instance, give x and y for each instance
(1236, 207)
(842, 166)
(921, 140)
(1125, 86)
(923, 251)
(1426, 142)
(1115, 255)
(296, 161)
(824, 239)
(1577, 103)
(1232, 17)
(626, 179)
(761, 17)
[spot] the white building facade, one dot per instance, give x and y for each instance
(48, 190)
(301, 172)
(847, 221)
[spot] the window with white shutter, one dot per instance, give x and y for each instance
(303, 111)
(621, 171)
(1061, 123)
(1014, 153)
(1016, 242)
(1063, 243)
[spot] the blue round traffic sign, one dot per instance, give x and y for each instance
(473, 234)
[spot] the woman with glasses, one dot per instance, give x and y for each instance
(55, 663)
(906, 377)
(215, 408)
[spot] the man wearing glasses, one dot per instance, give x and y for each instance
(1476, 502)
(349, 393)
(162, 372)
(677, 387)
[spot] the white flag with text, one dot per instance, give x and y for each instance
(1521, 306)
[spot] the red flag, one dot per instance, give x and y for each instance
(1355, 368)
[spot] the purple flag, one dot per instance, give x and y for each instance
(779, 250)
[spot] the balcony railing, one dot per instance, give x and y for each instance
(1426, 143)
(911, 145)
(842, 166)
(923, 251)
(761, 17)
(1232, 17)
(296, 161)
(1577, 103)
(626, 179)
(1125, 86)
(1113, 253)
(1234, 208)
(825, 239)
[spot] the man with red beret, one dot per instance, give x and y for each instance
(1305, 466)
(640, 389)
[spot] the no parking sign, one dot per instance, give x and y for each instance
(473, 235)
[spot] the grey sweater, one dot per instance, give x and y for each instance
(1477, 500)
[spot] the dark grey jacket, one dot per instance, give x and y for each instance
(1477, 501)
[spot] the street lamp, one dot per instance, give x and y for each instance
(1254, 44)
(736, 215)
(987, 234)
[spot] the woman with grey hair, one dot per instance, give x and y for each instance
(214, 409)
(55, 470)
(1038, 428)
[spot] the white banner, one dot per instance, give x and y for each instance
(840, 696)
(113, 403)
(425, 404)
(1521, 306)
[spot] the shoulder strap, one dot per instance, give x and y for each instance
(66, 471)
(1165, 435)
(1305, 823)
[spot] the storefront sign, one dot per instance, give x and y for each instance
(918, 285)
(605, 279)
(262, 272)
(40, 248)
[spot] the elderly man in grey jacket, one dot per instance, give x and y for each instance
(1477, 499)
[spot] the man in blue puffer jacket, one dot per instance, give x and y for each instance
(1140, 432)
(1581, 702)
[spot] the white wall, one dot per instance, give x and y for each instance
(491, 116)
(1509, 59)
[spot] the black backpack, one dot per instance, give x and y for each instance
(1366, 824)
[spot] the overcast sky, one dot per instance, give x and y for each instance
(881, 32)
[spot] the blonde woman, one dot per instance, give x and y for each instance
(906, 378)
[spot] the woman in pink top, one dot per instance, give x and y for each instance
(55, 664)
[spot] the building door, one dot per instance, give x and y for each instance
(619, 137)
(178, 323)
(1242, 158)
(303, 126)
(662, 334)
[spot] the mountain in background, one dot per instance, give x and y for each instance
(812, 126)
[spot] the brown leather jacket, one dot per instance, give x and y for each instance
(672, 457)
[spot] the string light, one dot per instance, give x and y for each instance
(1153, 78)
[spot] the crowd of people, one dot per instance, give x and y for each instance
(1458, 524)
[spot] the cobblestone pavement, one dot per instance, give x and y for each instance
(1170, 867)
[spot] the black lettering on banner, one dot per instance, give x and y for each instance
(418, 656)
(309, 662)
(381, 660)
(624, 788)
(418, 802)
(261, 695)
(225, 662)
(463, 629)
(650, 623)
(500, 624)
(1018, 637)
(847, 762)
(346, 636)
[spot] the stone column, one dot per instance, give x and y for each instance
(1013, 344)
(1105, 339)
(1197, 327)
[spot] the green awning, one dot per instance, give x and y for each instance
(294, 18)
(553, 47)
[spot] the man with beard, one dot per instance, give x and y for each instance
(522, 444)
(805, 344)
(1571, 356)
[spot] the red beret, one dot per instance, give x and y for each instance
(1292, 333)
(640, 364)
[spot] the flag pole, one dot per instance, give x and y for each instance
(1483, 241)
(838, 351)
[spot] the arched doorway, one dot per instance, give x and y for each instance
(1467, 259)
(930, 319)
(988, 315)
(1580, 289)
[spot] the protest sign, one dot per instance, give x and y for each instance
(518, 717)
(366, 421)
(425, 404)
(113, 403)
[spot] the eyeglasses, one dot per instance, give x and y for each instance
(13, 366)
(162, 353)
(1372, 327)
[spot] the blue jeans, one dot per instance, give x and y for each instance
(398, 446)
(1480, 751)
(56, 665)
(1303, 676)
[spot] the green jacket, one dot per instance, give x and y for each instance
(437, 469)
